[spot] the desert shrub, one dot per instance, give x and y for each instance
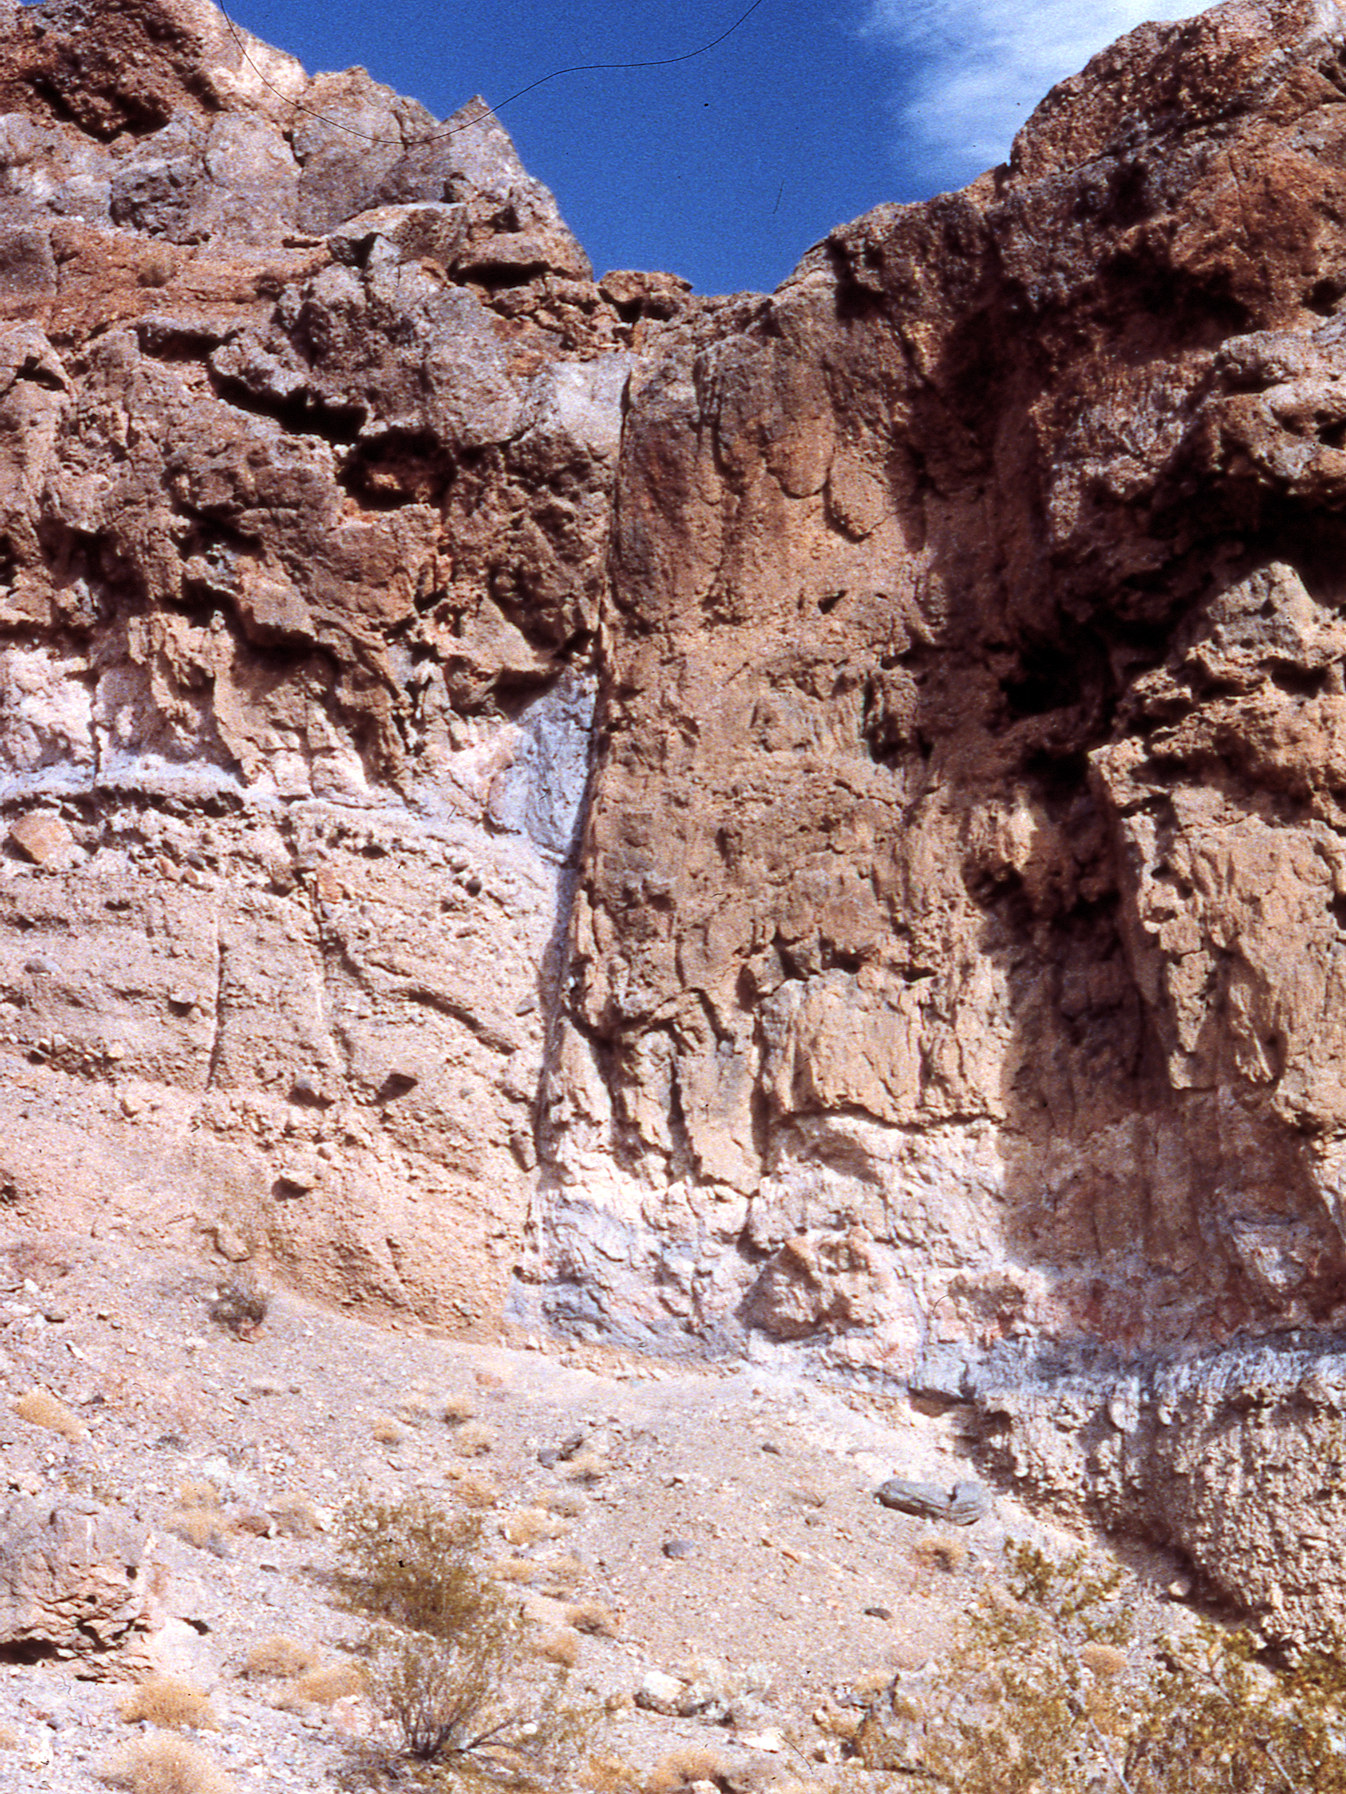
(240, 1307)
(1221, 1720)
(384, 1430)
(170, 1702)
(277, 1655)
(1048, 1691)
(40, 1408)
(163, 1764)
(449, 1662)
(458, 1408)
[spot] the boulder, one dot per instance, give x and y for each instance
(75, 1577)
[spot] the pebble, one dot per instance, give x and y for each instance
(659, 1693)
(678, 1548)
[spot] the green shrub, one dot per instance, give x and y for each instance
(1048, 1691)
(450, 1659)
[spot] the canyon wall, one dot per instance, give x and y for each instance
(959, 946)
(812, 824)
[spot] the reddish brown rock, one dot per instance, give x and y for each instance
(963, 859)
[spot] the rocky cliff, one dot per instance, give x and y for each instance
(809, 823)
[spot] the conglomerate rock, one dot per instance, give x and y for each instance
(813, 823)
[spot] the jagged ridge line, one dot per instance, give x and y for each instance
(578, 68)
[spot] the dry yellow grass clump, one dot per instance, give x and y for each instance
(939, 1553)
(171, 1702)
(163, 1764)
(680, 1768)
(386, 1431)
(606, 1774)
(457, 1409)
(198, 1491)
(559, 1577)
(515, 1569)
(561, 1647)
(564, 1502)
(296, 1517)
(1104, 1660)
(474, 1440)
(39, 1407)
(277, 1655)
(321, 1687)
(585, 1467)
(203, 1527)
(529, 1525)
(471, 1487)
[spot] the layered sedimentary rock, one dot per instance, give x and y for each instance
(810, 822)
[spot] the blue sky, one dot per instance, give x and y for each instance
(724, 169)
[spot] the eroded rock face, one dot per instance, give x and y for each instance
(309, 414)
(960, 935)
(809, 824)
(1234, 1458)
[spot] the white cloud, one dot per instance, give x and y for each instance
(975, 69)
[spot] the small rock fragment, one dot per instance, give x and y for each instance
(659, 1693)
(41, 837)
(965, 1504)
(969, 1503)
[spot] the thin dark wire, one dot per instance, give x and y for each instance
(578, 68)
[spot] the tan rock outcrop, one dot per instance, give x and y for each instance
(74, 1577)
